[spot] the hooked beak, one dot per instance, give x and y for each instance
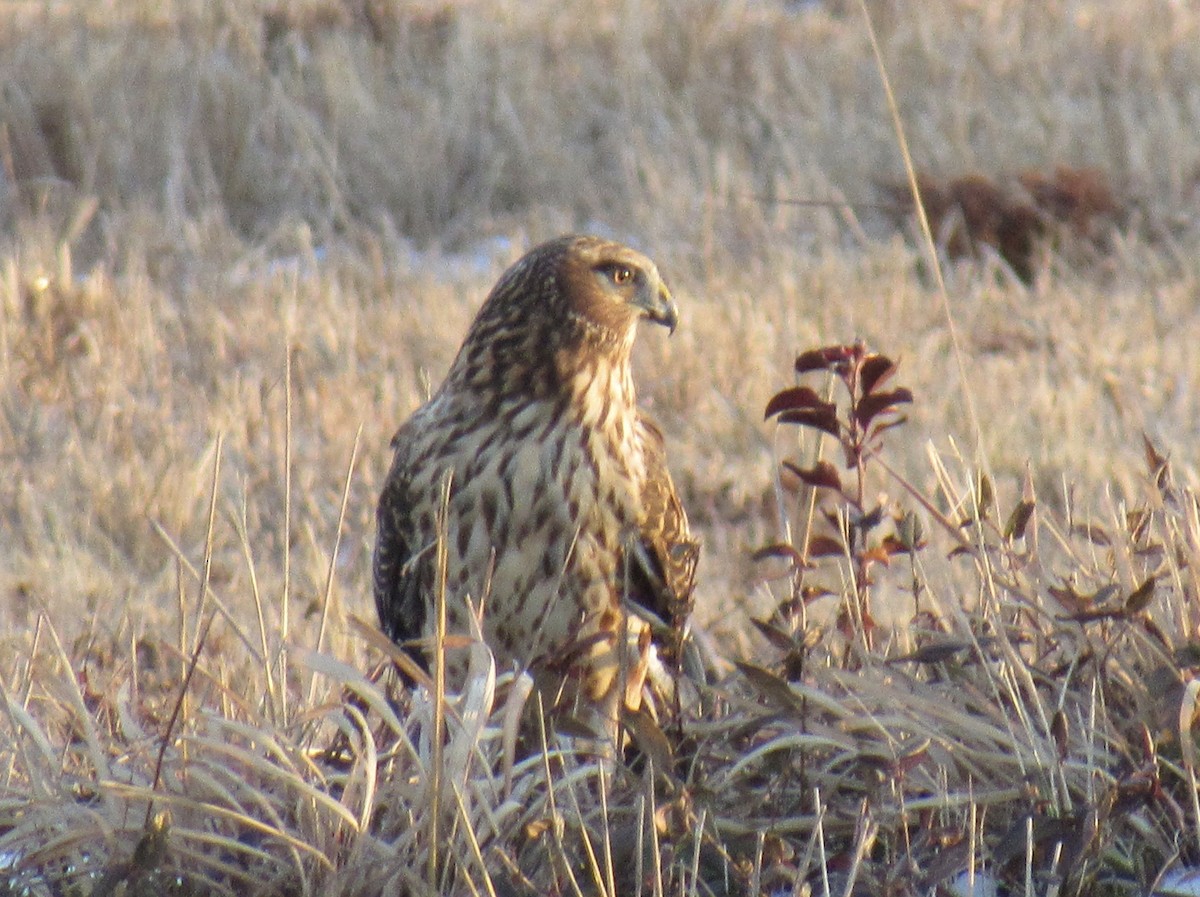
(659, 307)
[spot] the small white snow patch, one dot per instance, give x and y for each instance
(981, 884)
(1179, 882)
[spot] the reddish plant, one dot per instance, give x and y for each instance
(853, 525)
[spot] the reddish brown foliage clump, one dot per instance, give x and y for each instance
(1015, 215)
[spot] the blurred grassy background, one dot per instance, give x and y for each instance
(239, 241)
(190, 192)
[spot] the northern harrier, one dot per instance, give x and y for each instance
(562, 522)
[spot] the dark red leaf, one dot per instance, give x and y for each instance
(779, 550)
(824, 359)
(985, 496)
(1087, 607)
(880, 428)
(936, 652)
(777, 637)
(825, 546)
(893, 545)
(878, 403)
(771, 687)
(1018, 520)
(875, 371)
(913, 756)
(1097, 535)
(1138, 521)
(1160, 465)
(821, 475)
(1091, 616)
(823, 419)
(812, 360)
(1067, 596)
(792, 399)
(1147, 742)
(1058, 729)
(870, 519)
(810, 593)
(1139, 598)
(648, 737)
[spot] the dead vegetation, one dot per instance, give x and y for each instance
(238, 243)
(1072, 212)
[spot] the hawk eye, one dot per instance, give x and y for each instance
(621, 275)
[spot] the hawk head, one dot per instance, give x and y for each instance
(608, 287)
(566, 302)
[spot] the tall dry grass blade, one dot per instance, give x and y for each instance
(935, 266)
(327, 595)
(353, 679)
(82, 719)
(610, 879)
(37, 766)
(692, 888)
(556, 818)
(865, 829)
(437, 773)
(760, 839)
(215, 812)
(520, 688)
(211, 596)
(274, 697)
(367, 766)
(179, 707)
(652, 810)
(639, 862)
(1187, 717)
(819, 828)
(598, 877)
(473, 843)
(285, 613)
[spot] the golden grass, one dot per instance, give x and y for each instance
(239, 242)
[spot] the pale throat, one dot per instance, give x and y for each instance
(605, 404)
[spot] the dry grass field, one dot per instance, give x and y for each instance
(240, 241)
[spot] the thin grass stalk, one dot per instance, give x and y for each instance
(694, 887)
(639, 863)
(472, 843)
(327, 595)
(555, 815)
(367, 761)
(822, 856)
(439, 682)
(1054, 882)
(83, 718)
(593, 863)
(21, 720)
(609, 875)
(211, 596)
(274, 700)
(202, 629)
(864, 834)
(1187, 713)
(760, 839)
(655, 847)
(285, 620)
(972, 837)
(1029, 856)
(935, 266)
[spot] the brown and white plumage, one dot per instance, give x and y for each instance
(562, 520)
